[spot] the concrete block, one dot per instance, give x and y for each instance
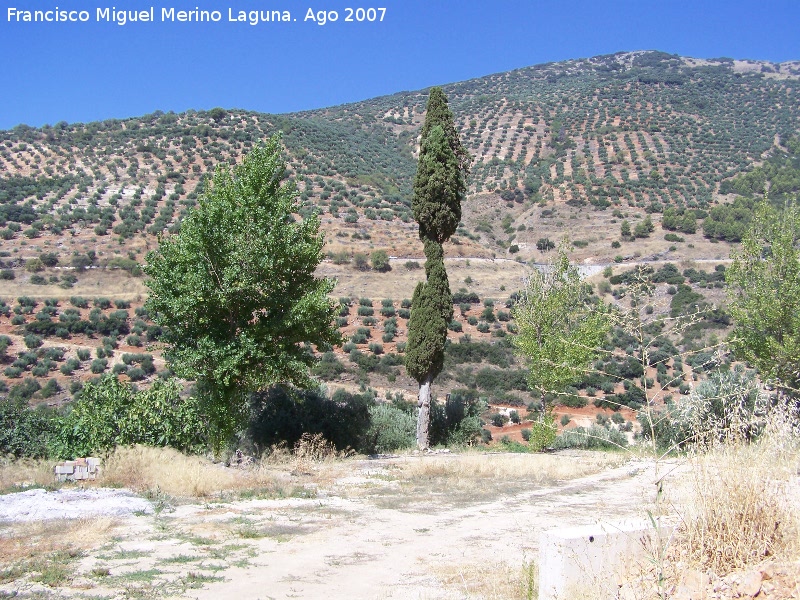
(593, 561)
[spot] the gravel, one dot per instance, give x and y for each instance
(38, 504)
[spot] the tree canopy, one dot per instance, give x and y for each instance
(560, 328)
(764, 287)
(235, 288)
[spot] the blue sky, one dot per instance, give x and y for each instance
(92, 71)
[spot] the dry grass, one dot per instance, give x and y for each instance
(24, 473)
(151, 470)
(461, 479)
(490, 580)
(45, 549)
(147, 469)
(740, 510)
(474, 469)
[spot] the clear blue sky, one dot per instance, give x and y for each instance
(92, 71)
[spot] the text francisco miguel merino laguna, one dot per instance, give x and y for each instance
(121, 17)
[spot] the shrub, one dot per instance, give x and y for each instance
(390, 429)
(136, 374)
(119, 369)
(329, 367)
(412, 265)
(79, 302)
(498, 419)
(593, 438)
(83, 354)
(110, 413)
(283, 415)
(565, 420)
(380, 261)
(543, 433)
(13, 372)
(32, 341)
(99, 365)
(50, 388)
(25, 432)
(361, 262)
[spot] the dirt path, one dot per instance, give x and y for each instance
(435, 527)
(370, 552)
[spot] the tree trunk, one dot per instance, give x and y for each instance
(424, 414)
(543, 405)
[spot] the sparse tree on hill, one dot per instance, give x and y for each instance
(235, 290)
(560, 329)
(439, 188)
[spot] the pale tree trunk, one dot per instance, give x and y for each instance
(424, 414)
(543, 406)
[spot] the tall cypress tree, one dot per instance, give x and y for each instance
(439, 188)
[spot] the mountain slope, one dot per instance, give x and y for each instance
(568, 148)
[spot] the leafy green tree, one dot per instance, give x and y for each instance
(110, 413)
(439, 188)
(764, 292)
(560, 326)
(380, 261)
(235, 289)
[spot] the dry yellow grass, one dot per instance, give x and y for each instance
(472, 469)
(147, 469)
(740, 510)
(45, 549)
(113, 283)
(490, 580)
(25, 472)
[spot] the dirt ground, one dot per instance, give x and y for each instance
(436, 526)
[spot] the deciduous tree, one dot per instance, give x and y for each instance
(235, 289)
(560, 327)
(764, 292)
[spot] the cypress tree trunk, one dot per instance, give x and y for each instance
(424, 416)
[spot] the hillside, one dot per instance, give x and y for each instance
(583, 148)
(552, 144)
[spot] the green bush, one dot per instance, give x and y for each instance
(79, 302)
(390, 429)
(109, 413)
(281, 415)
(543, 433)
(593, 438)
(25, 431)
(32, 341)
(98, 365)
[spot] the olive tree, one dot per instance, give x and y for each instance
(235, 289)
